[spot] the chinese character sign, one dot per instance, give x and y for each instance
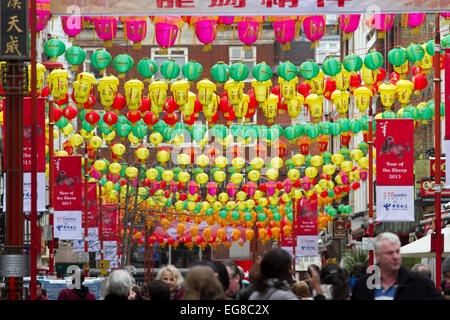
(395, 152)
(14, 26)
(67, 188)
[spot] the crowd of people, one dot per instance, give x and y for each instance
(271, 278)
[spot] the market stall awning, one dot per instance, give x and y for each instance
(422, 247)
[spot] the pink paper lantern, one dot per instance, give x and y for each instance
(166, 30)
(248, 29)
(135, 29)
(381, 22)
(192, 187)
(72, 25)
(206, 30)
(285, 29)
(288, 185)
(314, 28)
(106, 29)
(173, 186)
(225, 22)
(42, 14)
(212, 188)
(348, 24)
(271, 187)
(232, 189)
(251, 189)
(414, 20)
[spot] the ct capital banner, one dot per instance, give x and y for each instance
(395, 203)
(67, 225)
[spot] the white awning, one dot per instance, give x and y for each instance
(422, 247)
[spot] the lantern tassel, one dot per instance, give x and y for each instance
(415, 30)
(297, 29)
(234, 31)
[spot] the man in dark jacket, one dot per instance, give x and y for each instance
(391, 281)
(80, 293)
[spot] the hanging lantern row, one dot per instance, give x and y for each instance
(249, 28)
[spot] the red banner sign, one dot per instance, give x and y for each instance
(67, 190)
(432, 167)
(110, 226)
(27, 131)
(92, 204)
(395, 152)
(307, 217)
(447, 93)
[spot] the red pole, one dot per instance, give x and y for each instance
(294, 234)
(33, 244)
(51, 178)
(370, 151)
(100, 219)
(437, 153)
(86, 250)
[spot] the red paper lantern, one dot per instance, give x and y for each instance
(69, 112)
(237, 151)
(57, 114)
(394, 77)
(119, 102)
(355, 80)
(420, 83)
(110, 118)
(145, 105)
(44, 92)
(417, 70)
(150, 119)
(282, 149)
(92, 117)
(191, 119)
(133, 116)
(381, 75)
(304, 89)
(62, 101)
(330, 86)
(262, 187)
(151, 240)
(229, 115)
(171, 118)
(90, 102)
(170, 106)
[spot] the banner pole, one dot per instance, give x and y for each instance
(370, 151)
(86, 175)
(437, 235)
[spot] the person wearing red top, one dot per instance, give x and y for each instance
(39, 292)
(81, 293)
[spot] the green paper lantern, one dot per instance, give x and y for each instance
(309, 69)
(87, 126)
(122, 64)
(355, 125)
(101, 59)
(62, 122)
(287, 71)
(192, 70)
(312, 131)
(335, 129)
(262, 72)
(123, 129)
(290, 133)
(397, 57)
(352, 63)
(147, 68)
(344, 123)
(170, 69)
(248, 216)
(219, 131)
(331, 66)
(220, 72)
(324, 127)
(54, 48)
(75, 55)
(235, 215)
(139, 131)
(277, 217)
(445, 42)
(262, 217)
(373, 60)
(239, 71)
(414, 53)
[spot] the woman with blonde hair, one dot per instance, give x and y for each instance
(172, 276)
(301, 290)
(201, 283)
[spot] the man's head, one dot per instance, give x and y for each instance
(446, 270)
(387, 252)
(422, 269)
(158, 290)
(38, 288)
(235, 278)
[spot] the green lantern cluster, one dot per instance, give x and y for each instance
(220, 72)
(75, 55)
(147, 68)
(309, 69)
(192, 70)
(331, 66)
(170, 69)
(101, 59)
(123, 63)
(287, 71)
(262, 72)
(54, 48)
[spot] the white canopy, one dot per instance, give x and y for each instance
(422, 247)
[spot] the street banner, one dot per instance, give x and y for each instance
(395, 203)
(93, 210)
(27, 137)
(447, 95)
(67, 225)
(307, 224)
(40, 191)
(242, 7)
(110, 226)
(394, 152)
(67, 187)
(109, 251)
(14, 25)
(307, 246)
(93, 242)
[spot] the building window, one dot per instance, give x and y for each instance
(247, 57)
(87, 66)
(327, 48)
(179, 55)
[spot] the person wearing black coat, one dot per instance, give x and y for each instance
(391, 281)
(410, 286)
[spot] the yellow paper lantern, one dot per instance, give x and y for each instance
(241, 196)
(316, 161)
(157, 93)
(250, 204)
(272, 174)
(167, 175)
(133, 93)
(202, 178)
(347, 166)
(142, 153)
(152, 174)
(118, 149)
(297, 194)
(293, 174)
(363, 162)
(82, 87)
(258, 194)
(163, 156)
(99, 165)
(238, 163)
(362, 97)
(337, 158)
(298, 159)
(86, 134)
(221, 162)
(387, 94)
(237, 178)
(257, 163)
(76, 140)
(356, 154)
(223, 197)
(96, 142)
(276, 163)
(311, 172)
(156, 138)
(263, 202)
(115, 168)
(219, 176)
(131, 172)
(184, 177)
(109, 137)
(329, 169)
(62, 153)
(67, 130)
(254, 175)
(202, 160)
(183, 159)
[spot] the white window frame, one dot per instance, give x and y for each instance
(243, 59)
(322, 52)
(170, 55)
